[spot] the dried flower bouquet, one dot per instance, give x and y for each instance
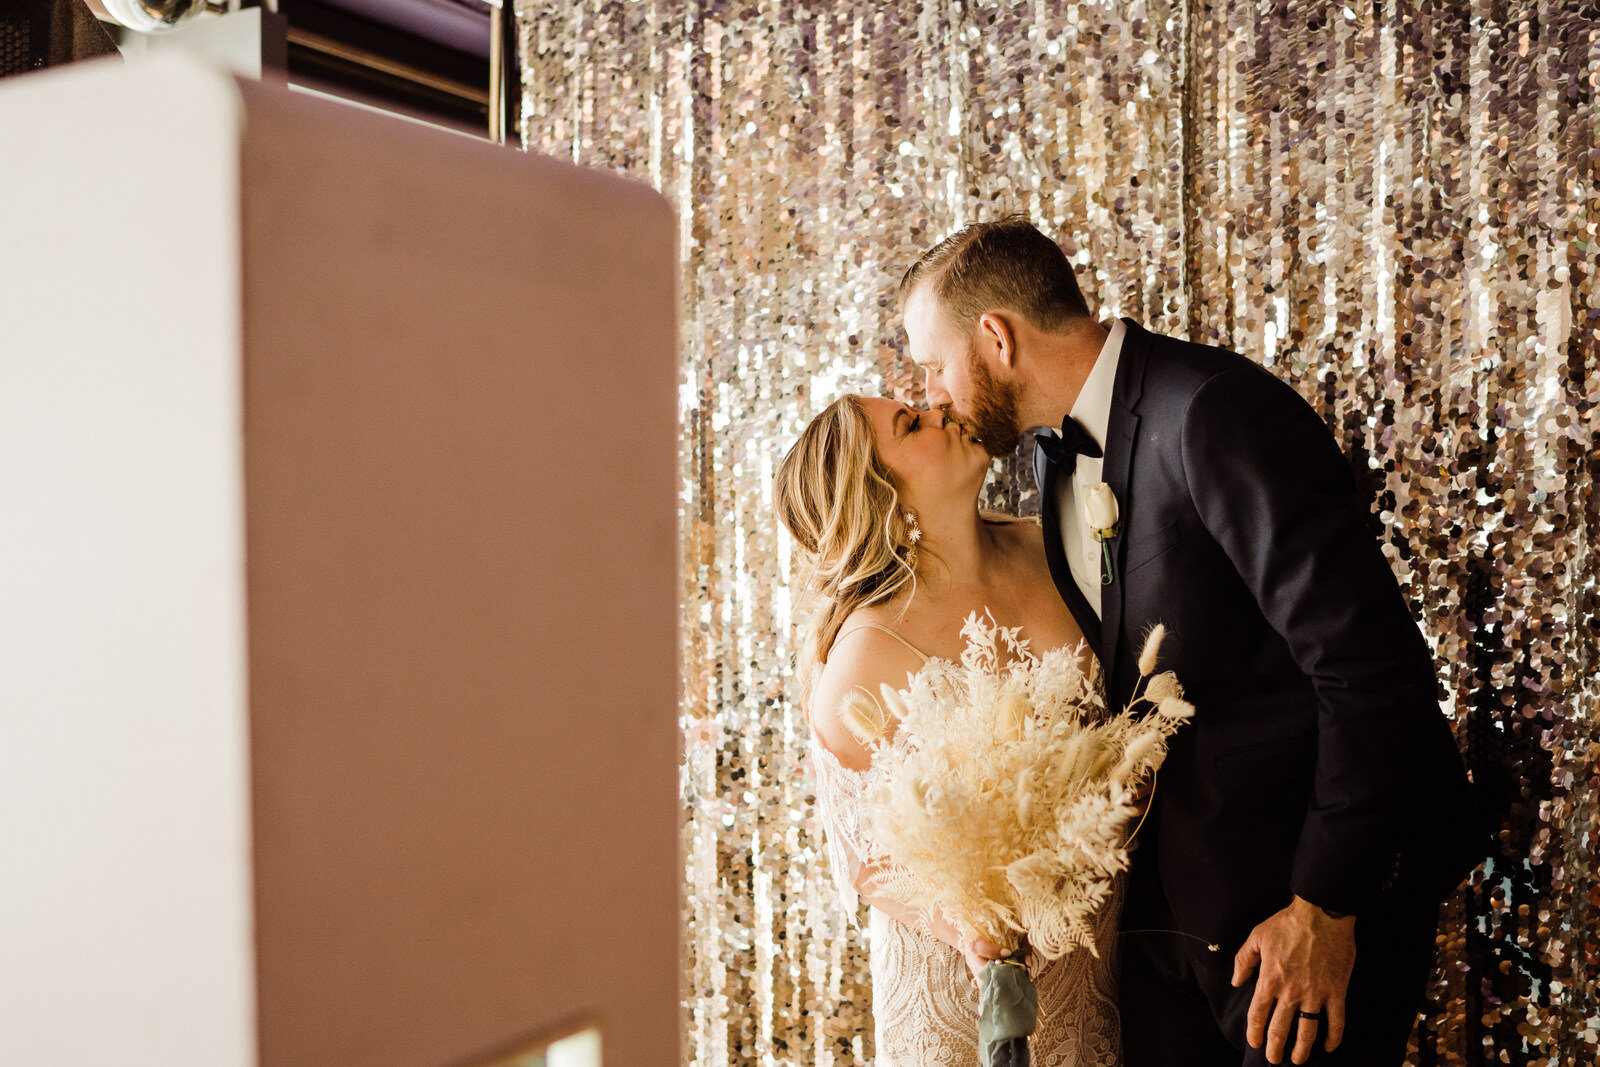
(1001, 790)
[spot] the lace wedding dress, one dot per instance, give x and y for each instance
(924, 1006)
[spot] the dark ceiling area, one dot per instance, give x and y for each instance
(459, 24)
(448, 62)
(428, 58)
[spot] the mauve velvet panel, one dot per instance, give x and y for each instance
(460, 462)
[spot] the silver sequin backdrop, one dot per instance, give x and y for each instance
(1392, 204)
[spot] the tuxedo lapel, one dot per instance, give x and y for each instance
(1122, 434)
(1044, 475)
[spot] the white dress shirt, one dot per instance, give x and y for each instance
(1092, 409)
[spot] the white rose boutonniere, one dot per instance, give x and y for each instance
(1100, 515)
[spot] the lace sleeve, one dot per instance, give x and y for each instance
(839, 815)
(848, 846)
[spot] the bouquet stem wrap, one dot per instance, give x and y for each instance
(1008, 1012)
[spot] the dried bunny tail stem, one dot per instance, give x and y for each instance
(1210, 946)
(1012, 714)
(1138, 750)
(1025, 797)
(1152, 649)
(863, 717)
(1103, 761)
(1150, 798)
(894, 701)
(1173, 707)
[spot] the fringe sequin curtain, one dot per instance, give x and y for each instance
(1394, 205)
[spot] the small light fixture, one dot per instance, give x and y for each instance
(154, 16)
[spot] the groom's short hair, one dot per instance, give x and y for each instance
(1006, 263)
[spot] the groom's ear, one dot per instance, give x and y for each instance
(996, 338)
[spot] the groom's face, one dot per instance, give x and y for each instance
(958, 379)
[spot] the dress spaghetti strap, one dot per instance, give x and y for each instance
(878, 626)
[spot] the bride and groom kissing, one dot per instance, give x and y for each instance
(1314, 813)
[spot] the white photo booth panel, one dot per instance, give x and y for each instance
(339, 652)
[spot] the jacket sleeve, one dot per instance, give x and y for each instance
(1275, 493)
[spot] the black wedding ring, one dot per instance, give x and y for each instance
(1314, 1016)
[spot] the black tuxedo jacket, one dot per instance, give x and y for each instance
(1318, 762)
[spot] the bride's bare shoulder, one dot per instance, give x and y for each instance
(864, 653)
(860, 663)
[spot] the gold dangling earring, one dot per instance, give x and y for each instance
(914, 532)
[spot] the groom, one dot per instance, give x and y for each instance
(1315, 812)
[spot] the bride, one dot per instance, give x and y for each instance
(883, 500)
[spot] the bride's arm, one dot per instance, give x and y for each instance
(868, 661)
(977, 953)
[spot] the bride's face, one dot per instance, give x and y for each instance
(932, 458)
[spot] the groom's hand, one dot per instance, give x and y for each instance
(1305, 957)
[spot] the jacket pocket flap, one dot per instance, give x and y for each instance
(1152, 545)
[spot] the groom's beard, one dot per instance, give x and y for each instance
(993, 419)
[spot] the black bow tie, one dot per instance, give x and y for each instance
(1064, 451)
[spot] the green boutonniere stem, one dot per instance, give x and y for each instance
(1108, 573)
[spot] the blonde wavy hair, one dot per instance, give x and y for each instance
(839, 501)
